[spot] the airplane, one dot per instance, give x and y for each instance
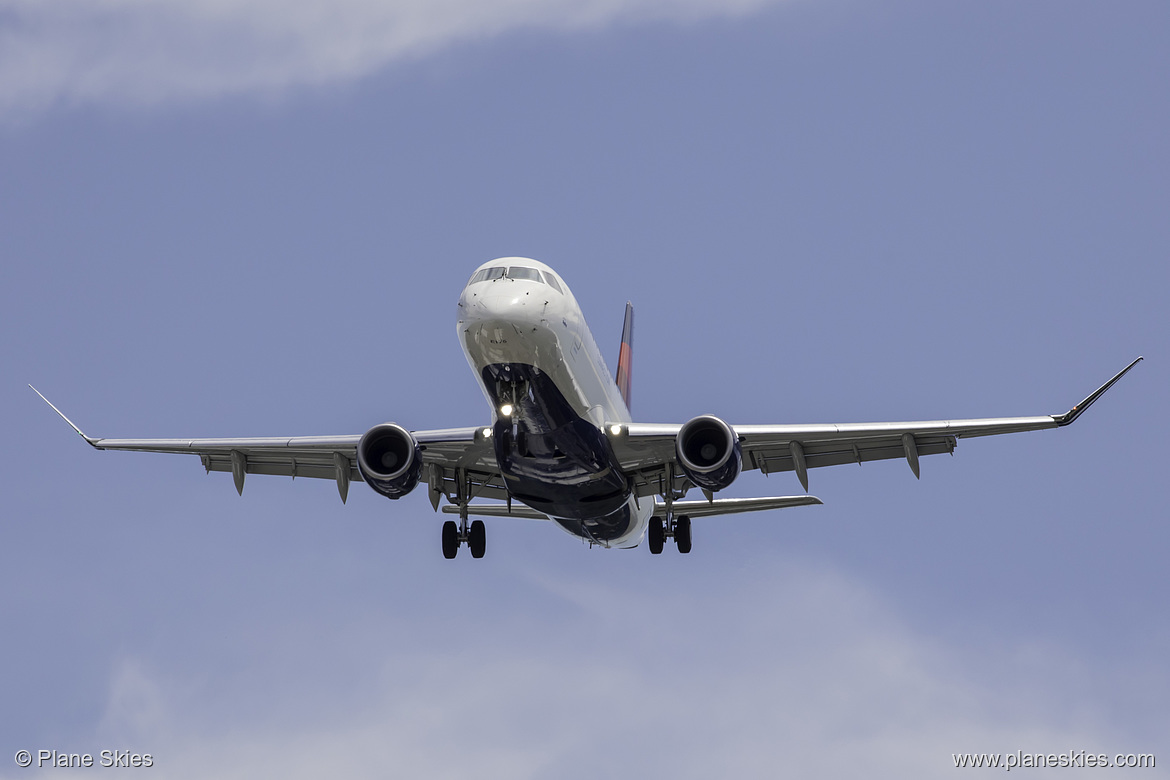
(562, 445)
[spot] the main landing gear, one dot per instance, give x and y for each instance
(679, 528)
(475, 536)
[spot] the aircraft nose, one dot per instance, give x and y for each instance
(495, 306)
(514, 303)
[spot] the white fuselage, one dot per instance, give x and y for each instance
(530, 322)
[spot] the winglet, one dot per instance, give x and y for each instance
(625, 368)
(90, 441)
(1072, 414)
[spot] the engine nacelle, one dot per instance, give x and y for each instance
(708, 452)
(389, 459)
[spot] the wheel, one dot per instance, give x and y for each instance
(450, 539)
(682, 534)
(477, 539)
(656, 536)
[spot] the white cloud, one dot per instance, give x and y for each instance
(824, 681)
(147, 51)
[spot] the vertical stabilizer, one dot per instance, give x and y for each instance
(626, 356)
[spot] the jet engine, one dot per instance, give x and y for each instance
(389, 459)
(708, 452)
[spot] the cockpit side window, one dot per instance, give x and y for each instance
(521, 272)
(487, 274)
(552, 282)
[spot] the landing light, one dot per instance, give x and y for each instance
(487, 433)
(506, 410)
(615, 429)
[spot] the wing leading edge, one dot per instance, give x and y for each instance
(448, 455)
(646, 450)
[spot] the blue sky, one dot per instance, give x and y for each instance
(254, 218)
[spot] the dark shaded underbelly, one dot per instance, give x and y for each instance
(551, 459)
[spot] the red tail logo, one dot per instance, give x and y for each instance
(625, 368)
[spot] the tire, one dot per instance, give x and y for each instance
(656, 536)
(477, 539)
(450, 539)
(682, 534)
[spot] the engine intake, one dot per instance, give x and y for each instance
(708, 452)
(389, 459)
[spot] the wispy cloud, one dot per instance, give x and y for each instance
(148, 51)
(827, 681)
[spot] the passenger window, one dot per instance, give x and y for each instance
(520, 272)
(552, 282)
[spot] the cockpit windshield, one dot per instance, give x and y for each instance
(514, 272)
(522, 272)
(552, 282)
(487, 274)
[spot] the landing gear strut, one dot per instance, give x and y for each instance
(682, 534)
(474, 535)
(678, 528)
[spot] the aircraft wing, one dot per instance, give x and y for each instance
(445, 453)
(646, 451)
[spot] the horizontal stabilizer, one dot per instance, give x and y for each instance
(732, 506)
(497, 510)
(703, 508)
